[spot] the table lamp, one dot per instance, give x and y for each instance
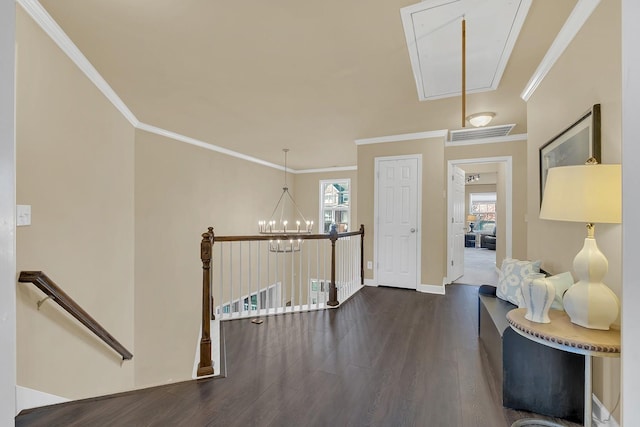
(589, 193)
(471, 219)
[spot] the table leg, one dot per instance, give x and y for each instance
(588, 414)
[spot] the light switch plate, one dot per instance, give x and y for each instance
(23, 215)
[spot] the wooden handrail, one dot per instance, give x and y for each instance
(294, 236)
(48, 286)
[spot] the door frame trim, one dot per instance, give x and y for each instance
(8, 257)
(376, 174)
(508, 161)
(450, 232)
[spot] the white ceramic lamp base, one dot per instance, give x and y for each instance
(589, 302)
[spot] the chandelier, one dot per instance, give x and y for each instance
(279, 226)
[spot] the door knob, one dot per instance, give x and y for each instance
(413, 230)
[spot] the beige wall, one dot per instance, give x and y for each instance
(434, 204)
(179, 191)
(433, 238)
(307, 197)
(587, 73)
(111, 207)
(83, 195)
(517, 150)
(75, 169)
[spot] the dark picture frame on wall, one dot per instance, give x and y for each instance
(573, 146)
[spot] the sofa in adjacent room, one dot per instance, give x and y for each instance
(488, 240)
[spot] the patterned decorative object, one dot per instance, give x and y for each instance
(561, 283)
(538, 294)
(512, 274)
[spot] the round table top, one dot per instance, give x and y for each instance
(567, 336)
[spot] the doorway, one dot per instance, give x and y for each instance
(397, 204)
(491, 237)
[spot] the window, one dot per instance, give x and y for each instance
(269, 298)
(318, 291)
(335, 207)
(483, 206)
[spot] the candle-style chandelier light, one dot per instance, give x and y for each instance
(279, 226)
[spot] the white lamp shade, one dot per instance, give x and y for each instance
(584, 193)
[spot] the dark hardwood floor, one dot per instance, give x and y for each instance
(387, 357)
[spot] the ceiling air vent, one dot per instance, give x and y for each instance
(480, 133)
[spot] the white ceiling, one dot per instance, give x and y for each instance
(433, 29)
(257, 77)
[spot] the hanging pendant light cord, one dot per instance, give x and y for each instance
(286, 150)
(464, 71)
(285, 190)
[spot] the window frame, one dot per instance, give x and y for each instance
(488, 200)
(321, 202)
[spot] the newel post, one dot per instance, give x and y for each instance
(205, 367)
(333, 290)
(362, 254)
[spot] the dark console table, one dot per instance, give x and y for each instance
(565, 336)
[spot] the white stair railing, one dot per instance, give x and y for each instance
(250, 279)
(254, 276)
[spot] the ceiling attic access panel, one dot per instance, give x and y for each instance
(433, 32)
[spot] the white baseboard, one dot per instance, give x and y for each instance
(431, 289)
(600, 412)
(27, 398)
(428, 289)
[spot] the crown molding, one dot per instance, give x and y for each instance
(507, 138)
(51, 27)
(41, 17)
(53, 30)
(403, 137)
(574, 23)
(334, 169)
(198, 143)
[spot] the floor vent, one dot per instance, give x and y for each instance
(480, 133)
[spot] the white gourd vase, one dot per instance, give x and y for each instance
(538, 294)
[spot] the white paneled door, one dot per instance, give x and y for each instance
(397, 237)
(457, 223)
